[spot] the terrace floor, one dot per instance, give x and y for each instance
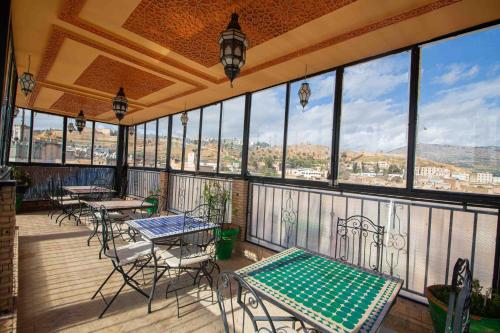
(58, 273)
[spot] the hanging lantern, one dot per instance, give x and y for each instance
(71, 128)
(120, 104)
(131, 130)
(80, 121)
(27, 80)
(184, 119)
(233, 46)
(304, 92)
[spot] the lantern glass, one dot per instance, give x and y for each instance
(71, 127)
(233, 45)
(27, 82)
(304, 94)
(120, 104)
(80, 122)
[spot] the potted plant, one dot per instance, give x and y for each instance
(153, 199)
(217, 197)
(484, 309)
(23, 182)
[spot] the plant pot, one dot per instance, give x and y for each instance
(20, 190)
(152, 210)
(439, 310)
(225, 245)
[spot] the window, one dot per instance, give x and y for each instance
(79, 144)
(267, 119)
(231, 147)
(176, 144)
(20, 142)
(161, 158)
(130, 145)
(458, 141)
(105, 144)
(209, 138)
(150, 146)
(309, 138)
(374, 124)
(47, 138)
(139, 145)
(192, 137)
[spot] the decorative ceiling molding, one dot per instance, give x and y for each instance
(73, 103)
(194, 27)
(69, 12)
(105, 74)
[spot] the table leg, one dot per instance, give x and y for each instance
(155, 274)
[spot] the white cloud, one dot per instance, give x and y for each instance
(457, 72)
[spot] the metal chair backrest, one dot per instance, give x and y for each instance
(240, 305)
(458, 317)
(359, 241)
(108, 238)
(199, 238)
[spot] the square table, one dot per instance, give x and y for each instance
(328, 294)
(159, 229)
(86, 189)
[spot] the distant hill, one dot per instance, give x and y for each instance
(475, 158)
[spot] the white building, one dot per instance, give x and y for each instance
(432, 171)
(465, 177)
(484, 177)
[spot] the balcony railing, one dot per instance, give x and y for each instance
(421, 241)
(142, 183)
(186, 192)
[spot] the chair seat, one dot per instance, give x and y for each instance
(68, 202)
(131, 252)
(57, 198)
(191, 255)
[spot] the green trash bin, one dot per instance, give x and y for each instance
(225, 244)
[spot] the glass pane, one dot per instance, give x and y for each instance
(192, 135)
(267, 121)
(20, 143)
(209, 138)
(47, 138)
(150, 154)
(79, 144)
(233, 118)
(139, 145)
(176, 145)
(310, 129)
(162, 143)
(130, 146)
(374, 124)
(105, 144)
(458, 141)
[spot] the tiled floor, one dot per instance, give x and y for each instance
(58, 273)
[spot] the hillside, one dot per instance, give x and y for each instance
(475, 158)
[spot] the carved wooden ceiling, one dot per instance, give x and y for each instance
(165, 52)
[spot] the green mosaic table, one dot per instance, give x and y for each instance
(330, 295)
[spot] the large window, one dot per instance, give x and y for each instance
(176, 144)
(209, 138)
(309, 138)
(79, 144)
(231, 146)
(105, 143)
(20, 142)
(458, 140)
(162, 143)
(139, 145)
(267, 118)
(150, 146)
(192, 137)
(374, 122)
(47, 138)
(131, 145)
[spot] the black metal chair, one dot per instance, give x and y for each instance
(359, 241)
(458, 317)
(195, 253)
(240, 305)
(128, 260)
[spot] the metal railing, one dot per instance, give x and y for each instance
(421, 241)
(142, 183)
(185, 192)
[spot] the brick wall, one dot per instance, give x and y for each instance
(164, 187)
(7, 233)
(239, 202)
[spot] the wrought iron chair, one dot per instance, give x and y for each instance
(158, 203)
(128, 260)
(239, 305)
(65, 204)
(359, 241)
(195, 253)
(458, 317)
